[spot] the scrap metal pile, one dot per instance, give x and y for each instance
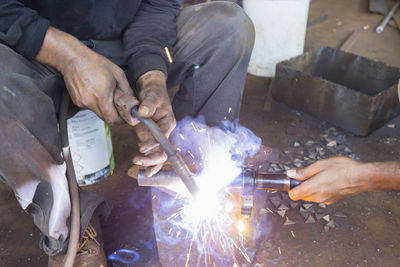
(303, 152)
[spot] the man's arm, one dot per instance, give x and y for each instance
(90, 78)
(21, 28)
(334, 179)
(152, 29)
(145, 39)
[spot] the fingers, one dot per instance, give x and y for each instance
(307, 172)
(147, 146)
(151, 159)
(153, 170)
(150, 102)
(122, 81)
(300, 192)
(124, 102)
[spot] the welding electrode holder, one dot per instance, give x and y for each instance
(176, 161)
(251, 180)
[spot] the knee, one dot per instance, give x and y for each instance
(232, 22)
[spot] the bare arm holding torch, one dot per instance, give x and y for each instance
(333, 179)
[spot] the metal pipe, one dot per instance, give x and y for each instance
(385, 21)
(248, 181)
(178, 164)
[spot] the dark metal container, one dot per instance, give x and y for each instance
(353, 92)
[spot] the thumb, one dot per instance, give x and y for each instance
(305, 173)
(124, 102)
(296, 193)
(149, 104)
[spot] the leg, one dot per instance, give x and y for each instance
(218, 37)
(30, 161)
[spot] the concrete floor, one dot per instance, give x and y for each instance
(369, 234)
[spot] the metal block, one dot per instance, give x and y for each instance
(353, 92)
(378, 6)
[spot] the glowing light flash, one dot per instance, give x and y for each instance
(209, 219)
(241, 226)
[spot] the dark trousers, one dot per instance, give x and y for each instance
(210, 60)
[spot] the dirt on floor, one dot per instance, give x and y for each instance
(366, 228)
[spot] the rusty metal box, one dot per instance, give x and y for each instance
(353, 92)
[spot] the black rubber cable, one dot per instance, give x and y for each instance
(72, 185)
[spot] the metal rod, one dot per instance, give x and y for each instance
(176, 161)
(385, 21)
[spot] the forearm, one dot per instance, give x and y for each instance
(60, 49)
(153, 28)
(383, 176)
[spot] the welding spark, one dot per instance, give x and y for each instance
(190, 153)
(213, 231)
(194, 127)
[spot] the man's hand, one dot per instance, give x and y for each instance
(330, 180)
(155, 104)
(91, 79)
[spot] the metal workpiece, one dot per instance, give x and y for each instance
(176, 161)
(247, 204)
(378, 6)
(386, 20)
(247, 182)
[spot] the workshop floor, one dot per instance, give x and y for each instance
(367, 227)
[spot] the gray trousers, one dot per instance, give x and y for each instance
(211, 55)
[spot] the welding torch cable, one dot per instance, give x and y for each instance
(174, 158)
(72, 185)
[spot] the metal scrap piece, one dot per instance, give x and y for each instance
(275, 200)
(331, 224)
(319, 216)
(288, 222)
(310, 219)
(307, 205)
(283, 207)
(281, 213)
(339, 214)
